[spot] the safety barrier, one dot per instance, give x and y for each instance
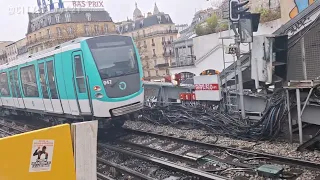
(66, 152)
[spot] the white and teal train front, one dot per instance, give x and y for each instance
(98, 77)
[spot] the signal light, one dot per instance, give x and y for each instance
(236, 10)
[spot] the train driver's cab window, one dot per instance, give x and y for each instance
(29, 81)
(4, 86)
(79, 74)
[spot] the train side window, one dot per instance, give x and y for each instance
(52, 83)
(16, 81)
(79, 74)
(4, 86)
(13, 91)
(29, 81)
(43, 81)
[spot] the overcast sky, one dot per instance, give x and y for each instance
(14, 24)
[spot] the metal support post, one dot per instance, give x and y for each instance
(289, 116)
(240, 80)
(299, 115)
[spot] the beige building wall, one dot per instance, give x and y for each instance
(152, 43)
(3, 54)
(49, 36)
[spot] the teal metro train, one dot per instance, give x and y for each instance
(96, 77)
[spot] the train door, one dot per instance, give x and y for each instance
(52, 87)
(17, 87)
(13, 89)
(44, 88)
(80, 84)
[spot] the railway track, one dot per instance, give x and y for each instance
(223, 161)
(9, 127)
(137, 154)
(142, 165)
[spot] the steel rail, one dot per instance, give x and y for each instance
(166, 164)
(125, 169)
(158, 151)
(281, 159)
(10, 127)
(101, 176)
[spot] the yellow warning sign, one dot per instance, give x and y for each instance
(41, 154)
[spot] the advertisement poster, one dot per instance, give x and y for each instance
(41, 155)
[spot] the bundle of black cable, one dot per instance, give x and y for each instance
(218, 123)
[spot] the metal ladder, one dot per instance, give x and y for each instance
(230, 90)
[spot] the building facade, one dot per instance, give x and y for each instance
(154, 36)
(3, 54)
(12, 52)
(55, 27)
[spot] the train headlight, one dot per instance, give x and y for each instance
(97, 88)
(99, 95)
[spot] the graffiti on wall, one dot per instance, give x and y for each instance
(300, 5)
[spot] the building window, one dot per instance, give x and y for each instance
(70, 30)
(153, 44)
(86, 29)
(155, 62)
(88, 16)
(96, 29)
(157, 72)
(106, 28)
(49, 33)
(167, 72)
(145, 44)
(167, 17)
(57, 16)
(159, 19)
(41, 23)
(4, 85)
(154, 52)
(68, 17)
(49, 20)
(33, 27)
(59, 31)
(44, 23)
(148, 73)
(29, 81)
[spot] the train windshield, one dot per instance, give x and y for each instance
(114, 56)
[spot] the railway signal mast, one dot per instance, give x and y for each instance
(241, 23)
